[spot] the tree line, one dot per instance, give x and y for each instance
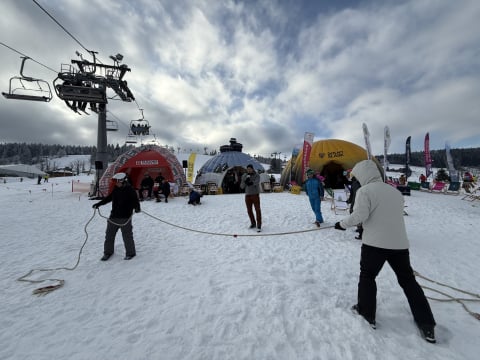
(462, 158)
(23, 153)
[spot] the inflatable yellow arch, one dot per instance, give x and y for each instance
(329, 158)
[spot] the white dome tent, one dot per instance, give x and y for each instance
(226, 168)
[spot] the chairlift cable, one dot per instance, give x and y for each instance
(64, 29)
(18, 52)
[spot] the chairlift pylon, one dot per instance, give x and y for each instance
(79, 88)
(19, 90)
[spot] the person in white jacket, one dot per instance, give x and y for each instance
(379, 207)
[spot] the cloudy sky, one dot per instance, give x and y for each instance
(264, 72)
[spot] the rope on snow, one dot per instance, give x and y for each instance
(42, 291)
(450, 297)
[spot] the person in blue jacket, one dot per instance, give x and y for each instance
(315, 192)
(194, 197)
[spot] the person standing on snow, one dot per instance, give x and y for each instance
(124, 201)
(315, 192)
(351, 200)
(379, 207)
(251, 183)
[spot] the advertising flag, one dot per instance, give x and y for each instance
(386, 144)
(408, 155)
(427, 157)
(366, 135)
(451, 168)
(307, 149)
(191, 163)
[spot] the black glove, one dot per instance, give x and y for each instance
(95, 206)
(338, 227)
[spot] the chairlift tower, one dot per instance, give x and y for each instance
(86, 84)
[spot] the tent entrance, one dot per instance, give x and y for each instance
(231, 180)
(333, 174)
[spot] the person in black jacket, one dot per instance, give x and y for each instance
(165, 189)
(124, 201)
(351, 200)
(157, 187)
(146, 184)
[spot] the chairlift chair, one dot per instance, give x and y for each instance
(18, 87)
(140, 127)
(112, 125)
(131, 139)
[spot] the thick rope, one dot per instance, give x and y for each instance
(450, 297)
(236, 235)
(48, 289)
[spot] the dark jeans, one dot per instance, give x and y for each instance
(127, 234)
(371, 262)
(254, 201)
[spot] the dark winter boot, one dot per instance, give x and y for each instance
(428, 333)
(371, 322)
(105, 257)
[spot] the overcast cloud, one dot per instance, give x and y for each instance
(264, 72)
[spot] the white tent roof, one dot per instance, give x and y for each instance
(21, 170)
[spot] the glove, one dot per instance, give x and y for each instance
(338, 227)
(95, 206)
(248, 181)
(137, 210)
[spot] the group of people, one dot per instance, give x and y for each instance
(376, 205)
(158, 186)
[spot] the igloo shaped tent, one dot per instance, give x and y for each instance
(151, 159)
(328, 157)
(226, 168)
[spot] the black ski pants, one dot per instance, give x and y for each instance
(371, 262)
(125, 225)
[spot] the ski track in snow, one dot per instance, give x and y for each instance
(189, 295)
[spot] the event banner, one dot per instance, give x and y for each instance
(408, 155)
(427, 157)
(454, 177)
(191, 163)
(307, 149)
(366, 135)
(386, 144)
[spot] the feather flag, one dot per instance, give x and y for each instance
(191, 163)
(408, 155)
(366, 135)
(307, 149)
(386, 144)
(451, 168)
(427, 157)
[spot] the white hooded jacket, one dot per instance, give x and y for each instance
(379, 208)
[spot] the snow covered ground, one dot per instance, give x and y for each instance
(195, 291)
